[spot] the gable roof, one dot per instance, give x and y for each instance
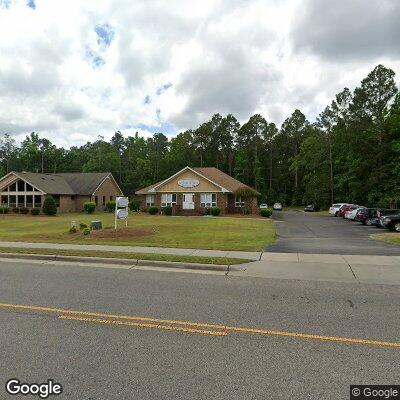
(47, 183)
(84, 183)
(216, 176)
(81, 183)
(223, 179)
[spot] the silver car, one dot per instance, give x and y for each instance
(278, 207)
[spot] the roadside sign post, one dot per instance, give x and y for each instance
(121, 210)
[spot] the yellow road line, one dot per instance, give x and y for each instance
(225, 328)
(140, 325)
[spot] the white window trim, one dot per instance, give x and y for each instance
(167, 199)
(149, 200)
(238, 202)
(206, 200)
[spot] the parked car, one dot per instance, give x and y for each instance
(391, 222)
(334, 210)
(367, 216)
(312, 208)
(351, 214)
(263, 206)
(348, 207)
(277, 207)
(382, 213)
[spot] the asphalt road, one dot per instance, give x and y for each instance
(300, 232)
(109, 361)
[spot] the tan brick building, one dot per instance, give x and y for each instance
(70, 190)
(192, 191)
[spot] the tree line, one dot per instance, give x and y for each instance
(350, 153)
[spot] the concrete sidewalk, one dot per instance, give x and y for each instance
(325, 267)
(245, 255)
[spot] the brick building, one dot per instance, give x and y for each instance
(70, 190)
(192, 191)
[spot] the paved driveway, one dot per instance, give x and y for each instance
(299, 232)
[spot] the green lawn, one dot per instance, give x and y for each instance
(220, 233)
(392, 237)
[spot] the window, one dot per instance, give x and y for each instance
(104, 201)
(239, 202)
(111, 198)
(72, 197)
(13, 187)
(29, 200)
(57, 199)
(96, 200)
(29, 188)
(208, 200)
(168, 199)
(38, 200)
(149, 200)
(21, 186)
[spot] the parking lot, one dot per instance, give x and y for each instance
(300, 232)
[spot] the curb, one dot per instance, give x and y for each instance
(133, 262)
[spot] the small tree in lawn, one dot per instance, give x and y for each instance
(245, 193)
(49, 206)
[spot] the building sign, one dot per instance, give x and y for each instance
(188, 183)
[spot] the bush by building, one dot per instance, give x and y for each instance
(24, 210)
(167, 210)
(266, 212)
(134, 204)
(49, 206)
(35, 211)
(215, 211)
(89, 207)
(153, 210)
(110, 206)
(4, 210)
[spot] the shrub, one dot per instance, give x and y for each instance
(82, 226)
(167, 210)
(15, 210)
(110, 206)
(35, 211)
(266, 212)
(49, 206)
(215, 211)
(153, 210)
(86, 231)
(72, 229)
(89, 207)
(4, 210)
(24, 210)
(134, 204)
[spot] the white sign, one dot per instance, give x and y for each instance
(122, 214)
(122, 202)
(188, 183)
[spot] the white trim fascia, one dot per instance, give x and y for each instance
(24, 179)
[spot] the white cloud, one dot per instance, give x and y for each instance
(60, 79)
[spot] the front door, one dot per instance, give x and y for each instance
(188, 201)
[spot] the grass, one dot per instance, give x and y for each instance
(392, 237)
(214, 233)
(133, 256)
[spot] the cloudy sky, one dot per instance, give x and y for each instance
(73, 70)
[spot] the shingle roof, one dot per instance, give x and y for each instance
(222, 179)
(47, 183)
(214, 175)
(83, 183)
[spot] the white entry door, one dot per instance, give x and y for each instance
(188, 201)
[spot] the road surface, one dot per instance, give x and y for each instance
(300, 232)
(95, 356)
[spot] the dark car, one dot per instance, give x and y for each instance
(391, 222)
(367, 216)
(312, 208)
(382, 213)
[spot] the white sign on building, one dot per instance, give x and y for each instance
(188, 183)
